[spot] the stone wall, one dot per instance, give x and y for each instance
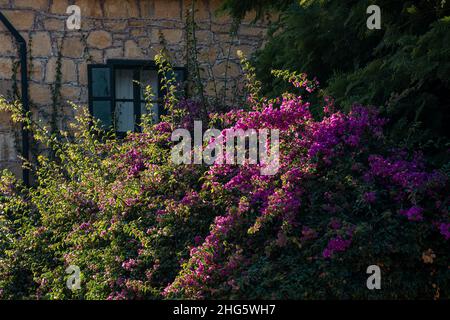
(111, 29)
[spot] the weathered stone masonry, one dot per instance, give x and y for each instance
(118, 29)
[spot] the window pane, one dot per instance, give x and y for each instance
(102, 111)
(100, 82)
(149, 77)
(154, 110)
(125, 116)
(124, 84)
(179, 75)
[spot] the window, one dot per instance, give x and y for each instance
(116, 92)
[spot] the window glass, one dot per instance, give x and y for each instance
(154, 109)
(124, 115)
(179, 76)
(124, 84)
(179, 79)
(118, 110)
(100, 82)
(149, 78)
(102, 111)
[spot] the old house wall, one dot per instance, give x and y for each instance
(110, 29)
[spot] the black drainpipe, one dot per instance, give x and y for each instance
(24, 81)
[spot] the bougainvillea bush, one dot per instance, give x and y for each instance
(140, 227)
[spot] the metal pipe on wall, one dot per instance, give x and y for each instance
(24, 86)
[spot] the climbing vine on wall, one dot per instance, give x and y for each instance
(56, 90)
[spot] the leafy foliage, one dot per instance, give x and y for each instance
(402, 69)
(140, 227)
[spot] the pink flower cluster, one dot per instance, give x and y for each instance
(335, 245)
(130, 264)
(413, 214)
(307, 148)
(305, 145)
(407, 174)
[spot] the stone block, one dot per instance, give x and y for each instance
(168, 9)
(50, 70)
(40, 94)
(96, 55)
(147, 8)
(52, 24)
(59, 6)
(7, 45)
(132, 50)
(216, 15)
(70, 93)
(4, 4)
(99, 39)
(37, 70)
(209, 53)
(114, 53)
(201, 7)
(203, 36)
(8, 150)
(31, 4)
(122, 9)
(73, 47)
(226, 69)
(6, 87)
(172, 36)
(92, 8)
(5, 121)
(82, 74)
(115, 25)
(21, 19)
(138, 32)
(68, 71)
(41, 45)
(250, 30)
(144, 42)
(6, 66)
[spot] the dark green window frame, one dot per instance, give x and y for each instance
(102, 103)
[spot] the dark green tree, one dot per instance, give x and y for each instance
(403, 68)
